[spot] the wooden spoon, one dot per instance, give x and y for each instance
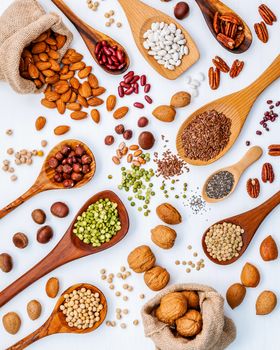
(140, 17)
(91, 36)
(250, 221)
(69, 248)
(209, 8)
(235, 106)
(56, 322)
(45, 180)
(236, 170)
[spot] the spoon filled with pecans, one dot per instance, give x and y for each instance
(222, 183)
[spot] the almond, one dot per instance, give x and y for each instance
(268, 249)
(77, 66)
(82, 101)
(66, 96)
(93, 81)
(266, 303)
(111, 102)
(85, 90)
(52, 80)
(61, 129)
(250, 276)
(73, 97)
(75, 83)
(33, 71)
(95, 115)
(85, 72)
(164, 113)
(120, 112)
(39, 47)
(48, 73)
(74, 107)
(48, 104)
(61, 107)
(67, 76)
(235, 295)
(60, 41)
(44, 57)
(53, 54)
(79, 115)
(55, 66)
(180, 99)
(52, 96)
(43, 65)
(61, 87)
(95, 101)
(40, 123)
(75, 57)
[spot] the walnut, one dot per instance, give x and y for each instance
(156, 278)
(163, 236)
(172, 306)
(190, 324)
(192, 298)
(141, 259)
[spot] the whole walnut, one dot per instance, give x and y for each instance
(172, 306)
(192, 298)
(190, 324)
(163, 236)
(141, 259)
(156, 278)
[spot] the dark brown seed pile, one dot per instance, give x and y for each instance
(169, 165)
(206, 136)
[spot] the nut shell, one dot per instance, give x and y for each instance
(190, 324)
(164, 113)
(266, 303)
(192, 298)
(235, 295)
(141, 259)
(163, 236)
(168, 214)
(11, 322)
(156, 278)
(268, 249)
(172, 307)
(34, 309)
(180, 99)
(250, 276)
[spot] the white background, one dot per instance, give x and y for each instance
(19, 113)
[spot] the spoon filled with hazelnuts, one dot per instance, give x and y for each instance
(70, 164)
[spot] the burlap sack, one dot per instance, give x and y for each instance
(20, 24)
(217, 333)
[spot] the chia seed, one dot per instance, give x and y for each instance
(220, 185)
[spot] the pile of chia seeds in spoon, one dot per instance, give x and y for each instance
(220, 185)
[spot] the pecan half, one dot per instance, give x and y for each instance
(274, 150)
(220, 64)
(253, 188)
(261, 31)
(232, 31)
(229, 17)
(214, 78)
(226, 41)
(236, 68)
(267, 173)
(240, 36)
(267, 15)
(216, 23)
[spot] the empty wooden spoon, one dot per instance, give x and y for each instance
(236, 170)
(209, 8)
(235, 106)
(45, 180)
(140, 17)
(69, 248)
(250, 221)
(92, 36)
(56, 323)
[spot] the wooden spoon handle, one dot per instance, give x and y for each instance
(249, 158)
(35, 189)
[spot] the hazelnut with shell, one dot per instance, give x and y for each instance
(172, 307)
(156, 278)
(192, 298)
(141, 259)
(190, 324)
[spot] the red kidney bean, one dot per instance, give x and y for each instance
(114, 58)
(143, 80)
(104, 59)
(136, 88)
(120, 56)
(128, 79)
(138, 105)
(110, 61)
(123, 84)
(121, 91)
(148, 99)
(129, 91)
(121, 66)
(104, 43)
(107, 51)
(113, 52)
(147, 88)
(98, 47)
(135, 79)
(111, 66)
(128, 74)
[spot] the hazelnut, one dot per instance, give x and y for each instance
(109, 140)
(168, 214)
(119, 129)
(20, 240)
(142, 122)
(156, 278)
(6, 262)
(53, 162)
(172, 307)
(141, 259)
(192, 298)
(127, 135)
(146, 140)
(163, 236)
(39, 216)
(181, 10)
(80, 150)
(44, 234)
(68, 183)
(60, 209)
(190, 324)
(86, 159)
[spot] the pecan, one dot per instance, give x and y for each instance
(261, 31)
(253, 188)
(233, 31)
(226, 41)
(267, 173)
(229, 17)
(220, 64)
(214, 78)
(236, 68)
(240, 36)
(274, 150)
(267, 15)
(216, 22)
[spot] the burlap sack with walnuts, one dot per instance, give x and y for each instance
(21, 23)
(217, 333)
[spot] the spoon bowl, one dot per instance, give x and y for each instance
(56, 323)
(235, 106)
(45, 180)
(236, 170)
(69, 248)
(250, 221)
(209, 8)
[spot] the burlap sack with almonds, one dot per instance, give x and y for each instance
(217, 333)
(20, 24)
